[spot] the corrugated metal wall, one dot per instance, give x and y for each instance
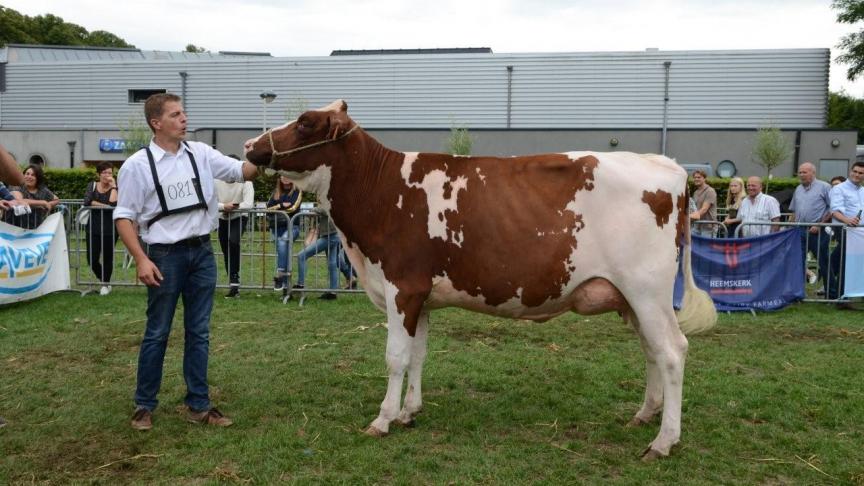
(708, 89)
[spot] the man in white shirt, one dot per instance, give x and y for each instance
(757, 208)
(847, 204)
(167, 191)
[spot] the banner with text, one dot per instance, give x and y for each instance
(853, 282)
(760, 272)
(33, 262)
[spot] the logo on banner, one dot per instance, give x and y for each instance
(24, 263)
(731, 251)
(721, 286)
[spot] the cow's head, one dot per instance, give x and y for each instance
(301, 146)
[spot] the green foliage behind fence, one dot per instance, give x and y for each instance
(72, 183)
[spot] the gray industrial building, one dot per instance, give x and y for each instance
(66, 106)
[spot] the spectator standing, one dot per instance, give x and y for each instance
(167, 189)
(734, 195)
(233, 197)
(706, 205)
(9, 174)
(757, 207)
(101, 235)
(837, 180)
(811, 204)
(285, 203)
(328, 242)
(847, 203)
(35, 194)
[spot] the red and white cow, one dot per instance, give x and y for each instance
(526, 237)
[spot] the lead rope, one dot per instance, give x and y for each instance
(275, 154)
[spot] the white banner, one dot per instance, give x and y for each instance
(33, 262)
(853, 281)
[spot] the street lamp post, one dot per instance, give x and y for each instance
(71, 144)
(267, 97)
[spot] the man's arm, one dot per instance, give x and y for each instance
(148, 272)
(250, 171)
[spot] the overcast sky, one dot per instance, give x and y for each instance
(316, 27)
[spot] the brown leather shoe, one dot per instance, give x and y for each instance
(209, 417)
(142, 419)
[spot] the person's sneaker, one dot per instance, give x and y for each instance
(105, 290)
(811, 277)
(233, 292)
(328, 296)
(142, 419)
(278, 283)
(209, 417)
(820, 292)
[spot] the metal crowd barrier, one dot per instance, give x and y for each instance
(257, 254)
(823, 275)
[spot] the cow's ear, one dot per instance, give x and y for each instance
(337, 125)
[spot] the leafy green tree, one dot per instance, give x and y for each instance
(459, 142)
(196, 49)
(135, 133)
(770, 149)
(851, 12)
(50, 29)
(844, 111)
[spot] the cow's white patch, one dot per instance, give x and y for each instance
(481, 176)
(317, 181)
(399, 202)
(434, 184)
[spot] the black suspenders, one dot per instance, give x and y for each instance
(196, 183)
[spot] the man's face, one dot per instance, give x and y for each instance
(754, 187)
(172, 123)
(806, 174)
(698, 179)
(856, 175)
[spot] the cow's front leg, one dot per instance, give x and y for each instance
(402, 320)
(413, 395)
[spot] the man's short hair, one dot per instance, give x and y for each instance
(154, 105)
(858, 163)
(700, 172)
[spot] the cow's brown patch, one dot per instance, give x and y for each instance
(682, 227)
(499, 209)
(660, 203)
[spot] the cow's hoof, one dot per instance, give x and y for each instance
(407, 423)
(373, 431)
(651, 455)
(636, 422)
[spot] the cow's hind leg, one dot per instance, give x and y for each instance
(399, 349)
(653, 402)
(413, 395)
(665, 348)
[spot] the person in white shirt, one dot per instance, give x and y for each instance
(166, 190)
(233, 196)
(847, 205)
(757, 207)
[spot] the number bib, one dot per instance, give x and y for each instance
(177, 194)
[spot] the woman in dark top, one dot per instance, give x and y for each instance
(34, 194)
(284, 202)
(101, 236)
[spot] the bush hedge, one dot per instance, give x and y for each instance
(72, 183)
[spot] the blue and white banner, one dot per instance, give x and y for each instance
(33, 262)
(853, 282)
(760, 272)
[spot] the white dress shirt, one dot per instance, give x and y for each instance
(763, 210)
(136, 191)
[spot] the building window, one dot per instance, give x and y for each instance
(829, 168)
(141, 95)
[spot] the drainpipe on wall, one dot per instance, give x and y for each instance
(509, 93)
(797, 158)
(666, 65)
(183, 75)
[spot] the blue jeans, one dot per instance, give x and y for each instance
(282, 253)
(329, 244)
(189, 271)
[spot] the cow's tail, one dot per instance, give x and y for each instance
(697, 313)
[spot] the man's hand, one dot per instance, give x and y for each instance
(814, 230)
(854, 221)
(148, 272)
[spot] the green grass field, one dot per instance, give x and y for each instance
(771, 399)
